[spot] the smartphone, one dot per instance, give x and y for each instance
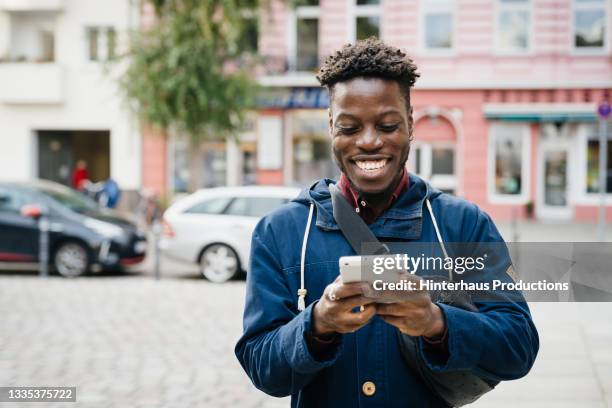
(360, 269)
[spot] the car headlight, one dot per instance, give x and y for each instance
(140, 247)
(104, 228)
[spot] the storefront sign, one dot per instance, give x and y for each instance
(294, 98)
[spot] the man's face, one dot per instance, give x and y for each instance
(370, 127)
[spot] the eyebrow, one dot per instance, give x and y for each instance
(345, 115)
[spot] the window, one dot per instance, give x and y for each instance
(249, 34)
(11, 200)
(312, 158)
(442, 161)
(69, 198)
(435, 162)
(367, 19)
(47, 41)
(438, 25)
(210, 206)
(254, 206)
(513, 25)
(102, 43)
(305, 42)
(28, 37)
(590, 29)
(508, 162)
(592, 174)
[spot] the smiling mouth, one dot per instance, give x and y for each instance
(371, 165)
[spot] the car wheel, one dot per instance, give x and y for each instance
(219, 263)
(71, 260)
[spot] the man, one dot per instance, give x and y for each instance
(342, 350)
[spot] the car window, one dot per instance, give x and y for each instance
(11, 200)
(210, 206)
(69, 198)
(254, 206)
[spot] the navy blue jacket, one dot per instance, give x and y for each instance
(499, 343)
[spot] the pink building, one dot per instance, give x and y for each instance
(505, 109)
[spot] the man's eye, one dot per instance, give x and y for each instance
(389, 128)
(347, 130)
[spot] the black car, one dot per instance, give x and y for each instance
(82, 236)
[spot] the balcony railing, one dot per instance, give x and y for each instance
(31, 83)
(31, 5)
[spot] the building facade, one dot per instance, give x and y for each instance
(505, 109)
(59, 100)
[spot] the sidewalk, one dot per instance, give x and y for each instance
(574, 365)
(540, 231)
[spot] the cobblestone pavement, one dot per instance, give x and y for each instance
(126, 341)
(131, 341)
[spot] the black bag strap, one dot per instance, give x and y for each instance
(354, 229)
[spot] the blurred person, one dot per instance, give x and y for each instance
(111, 193)
(80, 175)
(307, 334)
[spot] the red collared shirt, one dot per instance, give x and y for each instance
(366, 212)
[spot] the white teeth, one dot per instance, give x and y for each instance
(370, 165)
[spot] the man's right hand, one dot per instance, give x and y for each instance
(337, 316)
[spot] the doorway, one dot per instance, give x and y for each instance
(554, 162)
(59, 150)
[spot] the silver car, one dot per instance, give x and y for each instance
(213, 227)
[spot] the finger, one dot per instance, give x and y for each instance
(344, 290)
(398, 322)
(394, 309)
(352, 321)
(351, 302)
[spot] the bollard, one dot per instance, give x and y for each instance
(156, 239)
(43, 246)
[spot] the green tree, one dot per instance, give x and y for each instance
(182, 72)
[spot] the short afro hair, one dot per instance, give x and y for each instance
(369, 58)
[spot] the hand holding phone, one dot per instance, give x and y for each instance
(391, 285)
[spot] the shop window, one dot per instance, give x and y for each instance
(592, 174)
(367, 19)
(513, 25)
(214, 161)
(508, 162)
(312, 157)
(590, 19)
(438, 16)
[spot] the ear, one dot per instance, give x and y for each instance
(411, 123)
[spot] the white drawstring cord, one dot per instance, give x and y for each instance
(435, 224)
(302, 290)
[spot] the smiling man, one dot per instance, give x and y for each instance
(308, 335)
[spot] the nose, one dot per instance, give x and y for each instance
(369, 139)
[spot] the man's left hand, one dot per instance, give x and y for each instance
(415, 317)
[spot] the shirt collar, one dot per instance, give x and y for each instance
(361, 206)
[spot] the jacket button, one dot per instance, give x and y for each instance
(368, 388)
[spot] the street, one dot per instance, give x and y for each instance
(133, 341)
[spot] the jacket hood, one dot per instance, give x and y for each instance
(409, 204)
